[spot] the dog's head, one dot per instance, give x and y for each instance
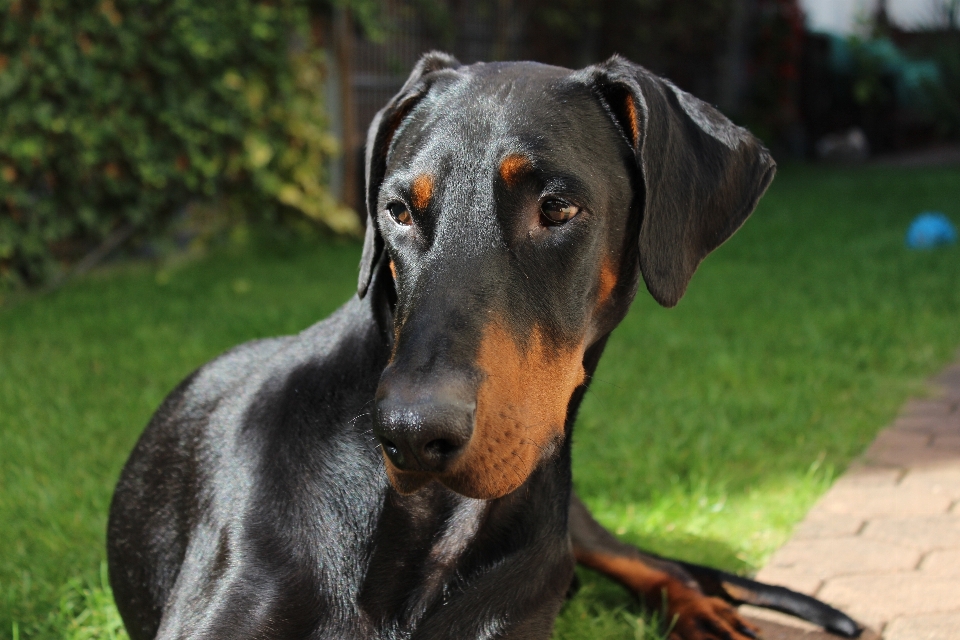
(515, 207)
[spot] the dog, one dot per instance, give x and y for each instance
(402, 468)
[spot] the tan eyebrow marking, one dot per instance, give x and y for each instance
(632, 121)
(513, 167)
(608, 280)
(422, 190)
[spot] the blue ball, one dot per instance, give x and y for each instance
(930, 229)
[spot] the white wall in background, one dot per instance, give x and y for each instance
(835, 16)
(912, 14)
(847, 16)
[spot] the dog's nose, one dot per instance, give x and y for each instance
(425, 433)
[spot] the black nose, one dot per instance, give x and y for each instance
(425, 431)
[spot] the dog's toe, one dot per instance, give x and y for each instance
(706, 618)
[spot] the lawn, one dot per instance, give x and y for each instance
(709, 430)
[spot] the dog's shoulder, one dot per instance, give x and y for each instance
(249, 372)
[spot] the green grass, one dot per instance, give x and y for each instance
(709, 430)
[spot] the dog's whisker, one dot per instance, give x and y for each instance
(514, 469)
(358, 416)
(606, 382)
(532, 443)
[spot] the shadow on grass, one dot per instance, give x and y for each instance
(691, 548)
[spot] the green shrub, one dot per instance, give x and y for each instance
(115, 114)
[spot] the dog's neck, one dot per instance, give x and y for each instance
(427, 543)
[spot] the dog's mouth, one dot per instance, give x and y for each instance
(485, 474)
(484, 470)
(486, 441)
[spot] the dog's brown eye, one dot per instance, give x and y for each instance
(399, 212)
(555, 211)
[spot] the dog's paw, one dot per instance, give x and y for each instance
(699, 617)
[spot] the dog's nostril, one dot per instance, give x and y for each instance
(393, 452)
(441, 448)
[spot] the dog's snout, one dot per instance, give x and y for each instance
(426, 432)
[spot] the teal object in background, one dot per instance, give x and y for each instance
(930, 229)
(912, 79)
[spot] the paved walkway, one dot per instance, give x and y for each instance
(883, 544)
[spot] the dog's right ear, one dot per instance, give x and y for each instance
(379, 136)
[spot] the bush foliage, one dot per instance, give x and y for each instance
(115, 113)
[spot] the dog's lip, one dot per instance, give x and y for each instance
(407, 482)
(463, 477)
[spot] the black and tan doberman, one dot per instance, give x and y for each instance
(401, 470)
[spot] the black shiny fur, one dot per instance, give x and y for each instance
(256, 503)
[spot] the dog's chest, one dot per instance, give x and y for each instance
(417, 554)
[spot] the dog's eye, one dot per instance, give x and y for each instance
(399, 212)
(555, 211)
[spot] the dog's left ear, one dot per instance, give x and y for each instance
(702, 175)
(379, 136)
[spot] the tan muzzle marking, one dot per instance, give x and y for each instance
(521, 411)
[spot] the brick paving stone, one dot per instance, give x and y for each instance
(949, 442)
(942, 564)
(950, 373)
(953, 420)
(897, 447)
(924, 534)
(862, 475)
(787, 628)
(898, 438)
(779, 626)
(795, 578)
(877, 599)
(881, 501)
(927, 407)
(946, 380)
(930, 426)
(951, 395)
(949, 391)
(912, 457)
(943, 480)
(826, 558)
(934, 626)
(819, 524)
(949, 377)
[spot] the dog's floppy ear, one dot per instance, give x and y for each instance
(379, 136)
(702, 175)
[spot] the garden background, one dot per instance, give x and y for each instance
(176, 178)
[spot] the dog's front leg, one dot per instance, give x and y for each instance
(699, 597)
(662, 584)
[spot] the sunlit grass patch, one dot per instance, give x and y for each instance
(84, 611)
